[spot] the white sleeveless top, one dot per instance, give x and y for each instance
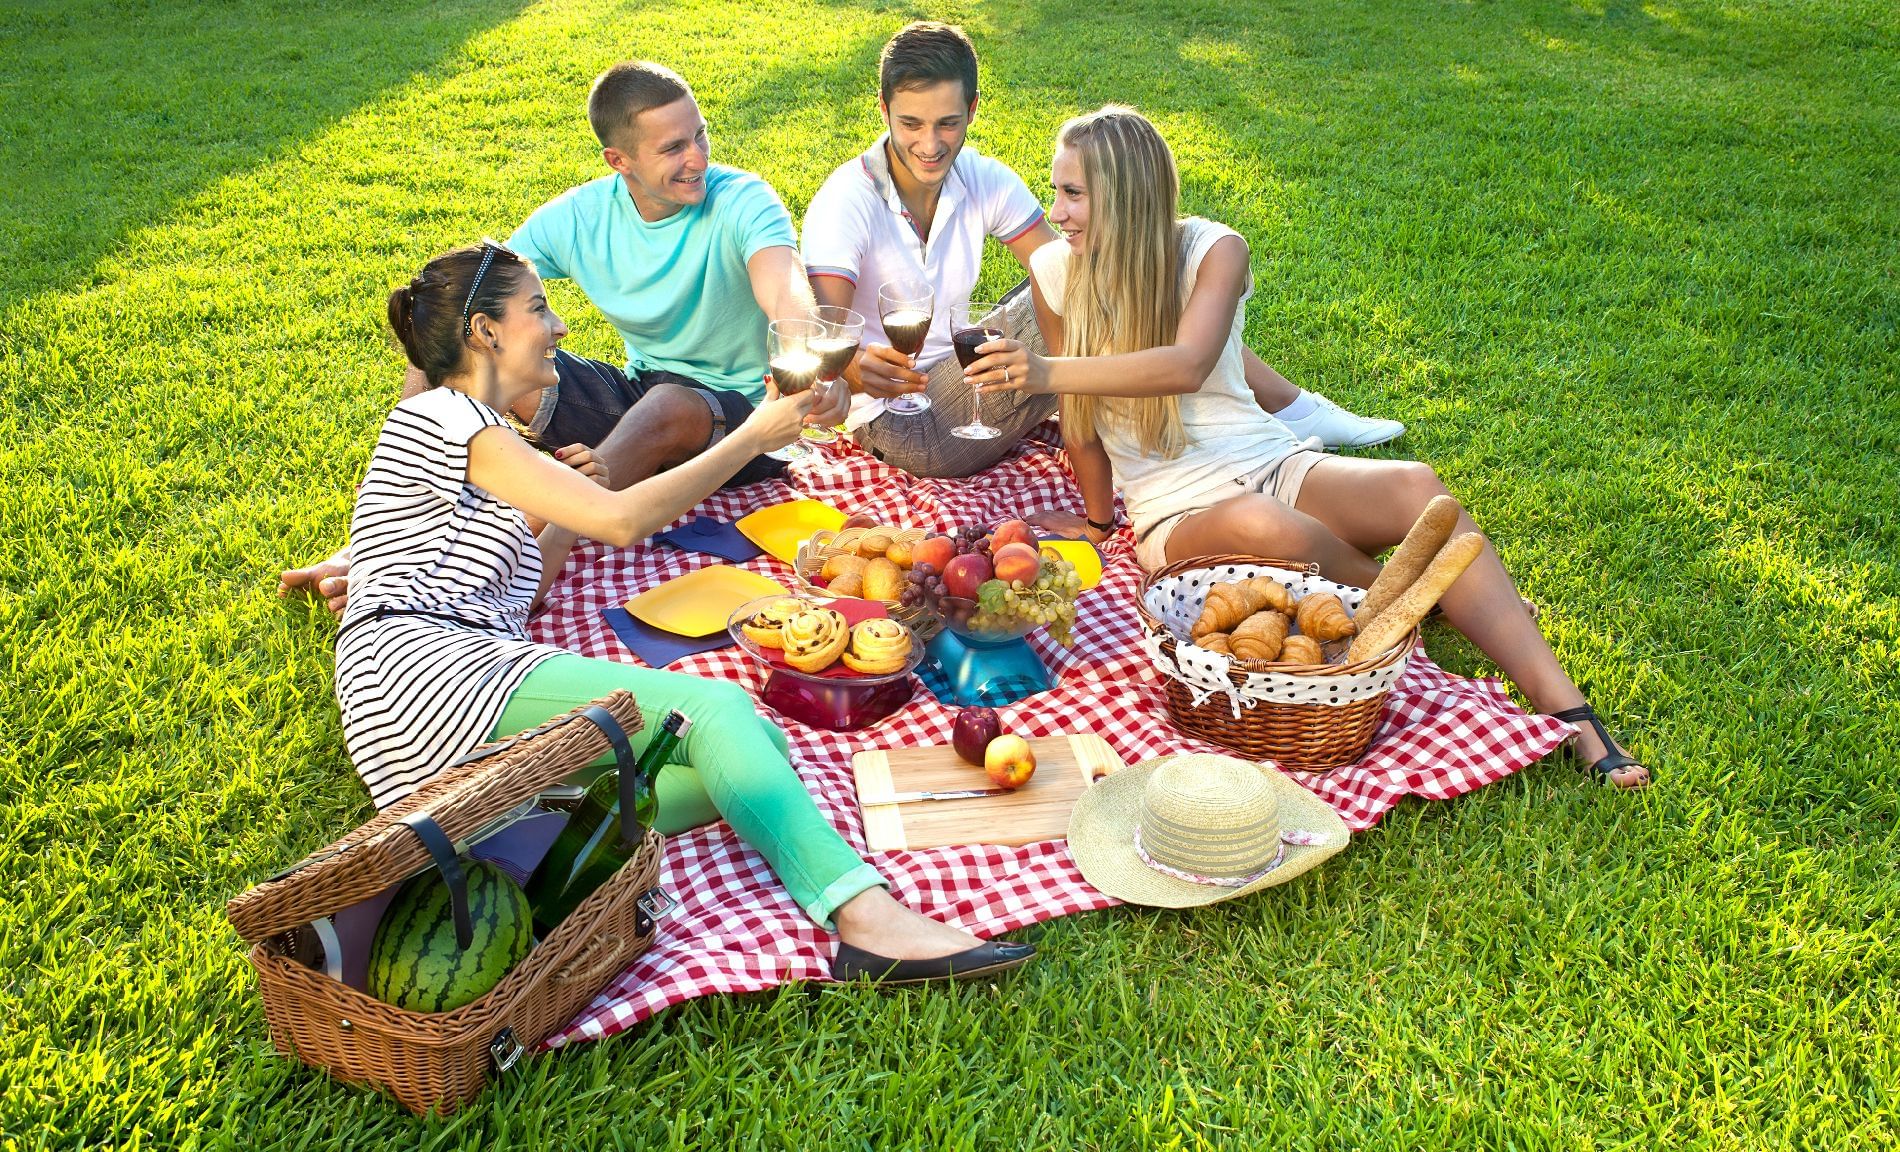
(416, 692)
(1229, 435)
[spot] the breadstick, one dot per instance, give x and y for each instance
(1395, 622)
(1428, 535)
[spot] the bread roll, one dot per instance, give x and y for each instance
(1404, 614)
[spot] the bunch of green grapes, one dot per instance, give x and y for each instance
(1048, 603)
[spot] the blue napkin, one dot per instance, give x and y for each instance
(714, 537)
(657, 646)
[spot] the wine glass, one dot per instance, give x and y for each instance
(788, 347)
(844, 331)
(906, 308)
(970, 329)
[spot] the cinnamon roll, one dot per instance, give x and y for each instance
(878, 646)
(814, 639)
(764, 628)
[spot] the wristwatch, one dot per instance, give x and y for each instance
(1099, 527)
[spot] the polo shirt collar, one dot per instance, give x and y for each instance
(876, 162)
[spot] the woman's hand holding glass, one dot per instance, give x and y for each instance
(777, 420)
(1007, 365)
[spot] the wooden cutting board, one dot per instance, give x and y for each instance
(1039, 810)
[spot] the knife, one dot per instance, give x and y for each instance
(914, 797)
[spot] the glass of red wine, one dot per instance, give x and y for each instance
(844, 331)
(906, 308)
(971, 327)
(795, 364)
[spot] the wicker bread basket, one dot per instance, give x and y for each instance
(813, 553)
(443, 1060)
(1334, 728)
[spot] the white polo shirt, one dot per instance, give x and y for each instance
(856, 229)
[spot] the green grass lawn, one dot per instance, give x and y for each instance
(1628, 271)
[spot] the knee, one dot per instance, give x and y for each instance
(674, 419)
(1418, 485)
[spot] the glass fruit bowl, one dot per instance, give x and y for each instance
(967, 620)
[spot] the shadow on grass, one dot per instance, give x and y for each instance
(115, 113)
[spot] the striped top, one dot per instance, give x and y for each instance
(416, 692)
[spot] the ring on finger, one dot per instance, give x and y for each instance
(1005, 373)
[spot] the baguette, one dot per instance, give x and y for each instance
(1397, 621)
(1428, 535)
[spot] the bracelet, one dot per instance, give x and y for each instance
(1108, 527)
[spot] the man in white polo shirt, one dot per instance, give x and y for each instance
(919, 204)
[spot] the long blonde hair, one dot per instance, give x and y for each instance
(1124, 291)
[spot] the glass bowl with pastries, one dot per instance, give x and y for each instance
(842, 664)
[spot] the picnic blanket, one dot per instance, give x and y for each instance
(736, 930)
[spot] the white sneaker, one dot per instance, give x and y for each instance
(1338, 428)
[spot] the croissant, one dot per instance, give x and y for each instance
(1229, 604)
(1323, 617)
(1215, 642)
(814, 639)
(765, 628)
(1301, 650)
(878, 646)
(1259, 636)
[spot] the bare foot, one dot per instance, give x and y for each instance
(873, 921)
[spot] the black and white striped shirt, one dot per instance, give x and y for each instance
(415, 691)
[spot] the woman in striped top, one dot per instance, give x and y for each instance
(433, 656)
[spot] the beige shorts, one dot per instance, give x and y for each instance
(1280, 479)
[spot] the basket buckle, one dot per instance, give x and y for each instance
(656, 902)
(504, 1049)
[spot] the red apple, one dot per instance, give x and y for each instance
(935, 551)
(1009, 761)
(1018, 562)
(1011, 532)
(964, 574)
(973, 731)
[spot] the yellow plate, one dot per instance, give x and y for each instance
(781, 528)
(700, 602)
(1082, 554)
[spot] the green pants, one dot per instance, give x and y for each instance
(732, 764)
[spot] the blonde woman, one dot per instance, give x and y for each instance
(1147, 309)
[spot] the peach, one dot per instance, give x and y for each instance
(935, 551)
(1009, 761)
(1018, 562)
(964, 574)
(1011, 532)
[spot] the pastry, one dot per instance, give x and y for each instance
(1215, 642)
(883, 580)
(814, 639)
(878, 646)
(765, 628)
(874, 543)
(1301, 650)
(1404, 614)
(1427, 536)
(1229, 604)
(849, 584)
(838, 564)
(1259, 636)
(899, 553)
(1323, 617)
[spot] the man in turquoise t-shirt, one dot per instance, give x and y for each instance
(688, 260)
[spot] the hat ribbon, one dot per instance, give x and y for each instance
(1211, 881)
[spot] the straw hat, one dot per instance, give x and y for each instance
(1181, 831)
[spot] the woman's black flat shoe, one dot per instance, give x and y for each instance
(1600, 770)
(990, 956)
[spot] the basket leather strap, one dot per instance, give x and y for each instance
(623, 763)
(450, 865)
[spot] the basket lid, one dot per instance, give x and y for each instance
(470, 795)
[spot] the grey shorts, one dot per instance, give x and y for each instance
(921, 444)
(593, 396)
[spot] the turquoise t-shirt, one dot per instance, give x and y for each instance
(676, 289)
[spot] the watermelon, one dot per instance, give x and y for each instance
(415, 962)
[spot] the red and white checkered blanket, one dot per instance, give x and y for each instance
(736, 930)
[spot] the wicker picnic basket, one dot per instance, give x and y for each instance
(443, 1060)
(812, 554)
(1307, 717)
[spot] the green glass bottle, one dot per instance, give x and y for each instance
(591, 847)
